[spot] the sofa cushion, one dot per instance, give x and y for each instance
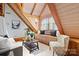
(42, 32)
(53, 33)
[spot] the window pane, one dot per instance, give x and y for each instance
(52, 25)
(44, 25)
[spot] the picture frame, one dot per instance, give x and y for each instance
(15, 24)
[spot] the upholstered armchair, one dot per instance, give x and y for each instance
(60, 46)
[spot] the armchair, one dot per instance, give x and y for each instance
(60, 46)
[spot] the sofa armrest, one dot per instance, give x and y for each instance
(18, 51)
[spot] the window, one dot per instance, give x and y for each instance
(48, 24)
(44, 24)
(52, 25)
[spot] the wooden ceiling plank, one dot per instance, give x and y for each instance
(42, 10)
(33, 8)
(54, 13)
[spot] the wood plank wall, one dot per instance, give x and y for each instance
(1, 9)
(69, 17)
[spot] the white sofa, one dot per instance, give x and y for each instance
(9, 44)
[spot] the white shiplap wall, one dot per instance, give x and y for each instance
(9, 16)
(1, 25)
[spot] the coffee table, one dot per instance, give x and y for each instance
(31, 45)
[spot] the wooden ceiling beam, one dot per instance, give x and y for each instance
(20, 5)
(42, 10)
(31, 15)
(33, 8)
(54, 13)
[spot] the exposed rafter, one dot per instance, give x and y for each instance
(33, 8)
(42, 10)
(56, 17)
(20, 5)
(30, 15)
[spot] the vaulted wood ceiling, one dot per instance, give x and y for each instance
(33, 8)
(36, 9)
